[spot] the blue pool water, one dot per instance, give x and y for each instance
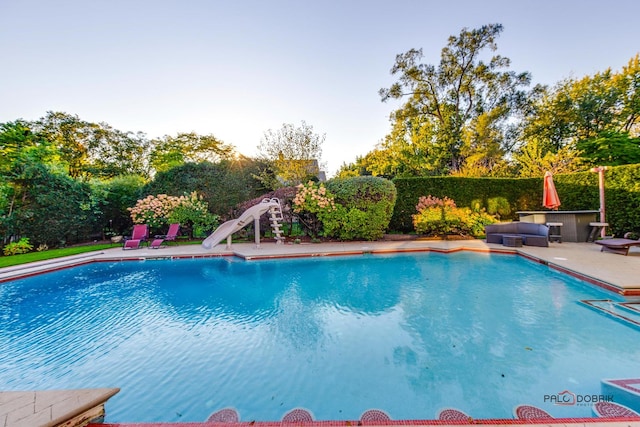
(408, 333)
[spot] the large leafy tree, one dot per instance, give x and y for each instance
(293, 152)
(20, 147)
(597, 116)
(94, 149)
(465, 90)
(50, 207)
(171, 151)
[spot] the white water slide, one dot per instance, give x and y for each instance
(226, 229)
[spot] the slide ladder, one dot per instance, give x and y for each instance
(276, 217)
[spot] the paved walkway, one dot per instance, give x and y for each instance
(52, 407)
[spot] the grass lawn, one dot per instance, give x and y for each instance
(8, 261)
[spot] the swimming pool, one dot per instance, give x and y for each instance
(408, 333)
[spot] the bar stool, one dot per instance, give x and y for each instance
(555, 231)
(596, 227)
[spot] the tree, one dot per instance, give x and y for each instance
(169, 152)
(222, 185)
(294, 152)
(93, 149)
(20, 148)
(51, 208)
(535, 158)
(451, 96)
(592, 113)
(610, 149)
(19, 144)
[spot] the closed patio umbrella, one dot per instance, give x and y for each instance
(550, 199)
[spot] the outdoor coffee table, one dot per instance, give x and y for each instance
(513, 241)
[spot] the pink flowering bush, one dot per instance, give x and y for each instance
(313, 204)
(313, 198)
(437, 217)
(187, 210)
(154, 210)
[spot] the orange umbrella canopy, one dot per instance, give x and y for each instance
(550, 199)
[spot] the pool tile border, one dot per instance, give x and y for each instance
(555, 422)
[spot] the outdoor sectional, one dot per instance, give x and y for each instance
(532, 234)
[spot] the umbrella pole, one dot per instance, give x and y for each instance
(600, 170)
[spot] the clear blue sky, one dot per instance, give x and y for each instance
(235, 69)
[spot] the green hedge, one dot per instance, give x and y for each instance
(499, 196)
(504, 196)
(368, 205)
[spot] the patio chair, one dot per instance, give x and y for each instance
(297, 415)
(226, 415)
(139, 235)
(528, 412)
(453, 415)
(374, 416)
(618, 246)
(613, 410)
(171, 235)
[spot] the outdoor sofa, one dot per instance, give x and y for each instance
(532, 234)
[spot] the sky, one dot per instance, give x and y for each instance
(238, 68)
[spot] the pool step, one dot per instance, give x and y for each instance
(625, 391)
(626, 312)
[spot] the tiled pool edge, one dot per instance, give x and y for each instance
(556, 422)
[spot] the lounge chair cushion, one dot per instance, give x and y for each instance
(131, 244)
(156, 243)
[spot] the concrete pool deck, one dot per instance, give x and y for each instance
(614, 272)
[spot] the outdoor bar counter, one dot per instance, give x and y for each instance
(575, 226)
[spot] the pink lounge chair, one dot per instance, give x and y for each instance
(613, 410)
(226, 415)
(528, 412)
(298, 415)
(454, 415)
(618, 246)
(374, 416)
(171, 235)
(139, 235)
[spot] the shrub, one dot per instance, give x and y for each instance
(365, 206)
(314, 206)
(188, 210)
(154, 210)
(193, 212)
(437, 217)
(22, 246)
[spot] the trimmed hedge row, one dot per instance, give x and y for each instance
(504, 196)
